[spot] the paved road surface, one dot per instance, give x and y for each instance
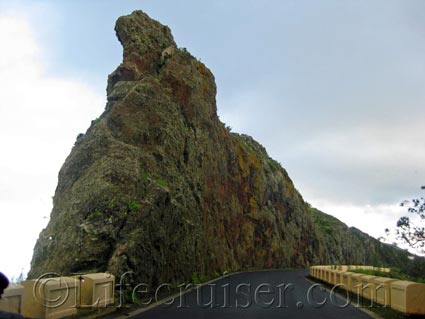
(260, 294)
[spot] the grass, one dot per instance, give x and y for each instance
(133, 206)
(160, 182)
(198, 278)
(395, 273)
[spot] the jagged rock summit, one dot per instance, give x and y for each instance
(159, 186)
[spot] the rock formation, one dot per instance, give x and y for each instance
(159, 186)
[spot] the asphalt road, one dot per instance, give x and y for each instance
(260, 294)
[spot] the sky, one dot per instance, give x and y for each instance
(333, 89)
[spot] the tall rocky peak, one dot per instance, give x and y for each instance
(159, 186)
(150, 51)
(144, 41)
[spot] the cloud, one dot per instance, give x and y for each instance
(338, 99)
(41, 116)
(373, 163)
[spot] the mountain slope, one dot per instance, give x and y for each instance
(349, 245)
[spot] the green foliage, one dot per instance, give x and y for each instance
(412, 233)
(161, 183)
(325, 222)
(396, 273)
(183, 52)
(158, 181)
(133, 206)
(198, 278)
(113, 204)
(114, 208)
(415, 269)
(409, 231)
(372, 273)
(96, 120)
(96, 214)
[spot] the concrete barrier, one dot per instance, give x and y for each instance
(320, 273)
(378, 269)
(342, 268)
(324, 275)
(51, 298)
(356, 283)
(383, 290)
(338, 277)
(368, 287)
(11, 300)
(408, 297)
(404, 296)
(313, 271)
(346, 280)
(97, 290)
(317, 272)
(333, 276)
(328, 274)
(353, 267)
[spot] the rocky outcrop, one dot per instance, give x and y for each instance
(159, 186)
(348, 245)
